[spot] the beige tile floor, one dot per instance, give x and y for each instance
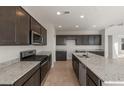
(61, 74)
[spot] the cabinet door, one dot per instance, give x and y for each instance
(60, 40)
(7, 25)
(61, 55)
(91, 40)
(97, 39)
(44, 36)
(78, 40)
(75, 63)
(90, 82)
(85, 40)
(82, 74)
(92, 79)
(35, 26)
(22, 26)
(82, 40)
(34, 80)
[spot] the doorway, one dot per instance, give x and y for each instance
(110, 48)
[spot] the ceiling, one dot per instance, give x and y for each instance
(95, 17)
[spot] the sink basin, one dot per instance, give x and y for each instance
(83, 56)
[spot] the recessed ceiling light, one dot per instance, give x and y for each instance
(77, 26)
(60, 26)
(82, 16)
(94, 26)
(58, 13)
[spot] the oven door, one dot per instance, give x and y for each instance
(35, 38)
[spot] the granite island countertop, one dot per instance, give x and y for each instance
(110, 71)
(12, 72)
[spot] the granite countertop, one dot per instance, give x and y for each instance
(110, 71)
(12, 72)
(44, 53)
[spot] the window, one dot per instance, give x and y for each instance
(122, 44)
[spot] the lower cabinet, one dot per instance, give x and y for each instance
(85, 76)
(92, 79)
(61, 55)
(31, 78)
(34, 80)
(45, 67)
(75, 64)
(82, 74)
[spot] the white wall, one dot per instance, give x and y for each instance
(72, 47)
(11, 52)
(116, 32)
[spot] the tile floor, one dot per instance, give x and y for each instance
(61, 74)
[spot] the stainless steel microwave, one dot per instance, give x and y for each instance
(36, 38)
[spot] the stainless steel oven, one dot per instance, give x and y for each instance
(36, 38)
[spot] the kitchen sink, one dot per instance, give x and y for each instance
(83, 56)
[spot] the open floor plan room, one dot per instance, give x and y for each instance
(61, 46)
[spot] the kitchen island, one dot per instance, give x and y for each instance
(98, 69)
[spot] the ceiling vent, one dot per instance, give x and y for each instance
(66, 12)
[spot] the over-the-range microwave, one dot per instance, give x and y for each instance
(36, 38)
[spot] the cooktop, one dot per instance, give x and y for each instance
(31, 56)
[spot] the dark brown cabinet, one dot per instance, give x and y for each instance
(60, 40)
(44, 35)
(85, 76)
(61, 55)
(22, 26)
(35, 26)
(7, 25)
(79, 39)
(97, 40)
(14, 26)
(31, 78)
(82, 74)
(82, 40)
(75, 64)
(34, 80)
(92, 79)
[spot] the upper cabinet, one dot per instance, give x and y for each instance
(7, 25)
(22, 26)
(88, 40)
(44, 36)
(15, 26)
(39, 29)
(60, 40)
(35, 26)
(79, 39)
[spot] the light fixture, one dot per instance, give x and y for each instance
(58, 13)
(59, 26)
(94, 26)
(77, 26)
(82, 16)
